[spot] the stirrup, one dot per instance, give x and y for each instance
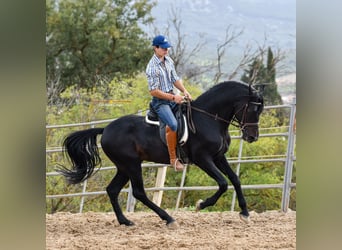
(175, 164)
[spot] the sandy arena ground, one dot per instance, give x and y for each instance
(203, 230)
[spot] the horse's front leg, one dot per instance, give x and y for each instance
(224, 166)
(208, 166)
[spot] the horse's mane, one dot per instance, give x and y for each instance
(228, 88)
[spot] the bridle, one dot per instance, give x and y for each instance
(243, 124)
(234, 121)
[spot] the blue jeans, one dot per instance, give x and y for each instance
(165, 113)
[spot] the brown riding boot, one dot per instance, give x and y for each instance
(171, 141)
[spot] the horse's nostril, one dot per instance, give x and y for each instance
(252, 138)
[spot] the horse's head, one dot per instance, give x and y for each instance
(238, 103)
(247, 112)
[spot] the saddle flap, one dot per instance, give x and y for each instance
(182, 131)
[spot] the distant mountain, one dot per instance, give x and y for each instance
(287, 88)
(273, 19)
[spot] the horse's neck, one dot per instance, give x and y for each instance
(220, 100)
(221, 106)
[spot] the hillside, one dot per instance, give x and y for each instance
(287, 87)
(208, 19)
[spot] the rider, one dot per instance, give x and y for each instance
(162, 77)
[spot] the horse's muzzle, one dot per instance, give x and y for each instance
(250, 134)
(250, 139)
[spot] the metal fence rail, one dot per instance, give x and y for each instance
(287, 159)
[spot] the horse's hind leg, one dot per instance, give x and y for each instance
(113, 190)
(139, 193)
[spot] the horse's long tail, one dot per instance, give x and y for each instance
(81, 147)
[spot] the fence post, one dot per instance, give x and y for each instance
(158, 195)
(130, 199)
(237, 173)
(285, 200)
(181, 185)
(84, 188)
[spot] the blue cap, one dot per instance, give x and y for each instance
(161, 41)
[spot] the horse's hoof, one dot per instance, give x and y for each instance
(128, 223)
(198, 205)
(172, 225)
(244, 218)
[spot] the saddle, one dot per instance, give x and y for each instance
(182, 131)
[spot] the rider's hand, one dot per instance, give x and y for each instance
(187, 95)
(178, 99)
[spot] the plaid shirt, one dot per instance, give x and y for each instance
(159, 76)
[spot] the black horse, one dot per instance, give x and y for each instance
(129, 140)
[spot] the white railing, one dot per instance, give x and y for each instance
(286, 186)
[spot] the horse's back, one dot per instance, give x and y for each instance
(123, 124)
(123, 129)
(131, 137)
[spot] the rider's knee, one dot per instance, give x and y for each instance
(173, 126)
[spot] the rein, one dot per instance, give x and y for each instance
(216, 117)
(191, 122)
(235, 122)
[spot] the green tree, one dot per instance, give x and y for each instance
(260, 74)
(95, 39)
